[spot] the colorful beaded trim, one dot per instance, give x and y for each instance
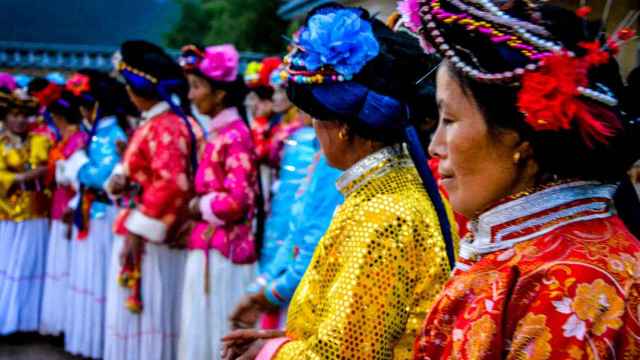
(122, 66)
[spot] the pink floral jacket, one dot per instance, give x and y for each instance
(226, 181)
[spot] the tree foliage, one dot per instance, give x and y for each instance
(251, 25)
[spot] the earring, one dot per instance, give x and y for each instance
(342, 134)
(516, 157)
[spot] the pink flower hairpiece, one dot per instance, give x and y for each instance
(220, 63)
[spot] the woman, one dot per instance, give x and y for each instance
(383, 257)
(67, 118)
(530, 140)
(24, 223)
(221, 247)
(143, 311)
(101, 98)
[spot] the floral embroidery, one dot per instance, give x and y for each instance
(479, 337)
(600, 304)
(531, 339)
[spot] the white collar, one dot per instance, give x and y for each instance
(352, 179)
(535, 215)
(155, 110)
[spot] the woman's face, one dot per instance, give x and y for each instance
(281, 102)
(333, 147)
(17, 122)
(206, 99)
(478, 167)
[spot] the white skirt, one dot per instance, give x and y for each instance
(88, 271)
(24, 246)
(55, 297)
(205, 318)
(153, 334)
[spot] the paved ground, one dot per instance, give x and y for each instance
(32, 347)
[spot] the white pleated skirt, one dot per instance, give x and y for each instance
(22, 268)
(205, 317)
(55, 295)
(88, 271)
(154, 333)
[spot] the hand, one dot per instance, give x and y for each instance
(31, 175)
(243, 352)
(132, 249)
(67, 216)
(194, 209)
(246, 314)
(118, 184)
(246, 344)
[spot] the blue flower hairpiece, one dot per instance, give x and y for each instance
(340, 39)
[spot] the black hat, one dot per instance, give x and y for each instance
(149, 61)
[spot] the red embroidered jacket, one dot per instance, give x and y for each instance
(157, 158)
(552, 275)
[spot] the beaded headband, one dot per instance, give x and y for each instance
(487, 19)
(125, 68)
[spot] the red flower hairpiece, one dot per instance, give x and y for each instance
(78, 84)
(551, 101)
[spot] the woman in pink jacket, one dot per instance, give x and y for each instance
(222, 248)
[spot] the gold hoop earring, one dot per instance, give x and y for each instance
(342, 134)
(516, 157)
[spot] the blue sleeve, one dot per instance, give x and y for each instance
(318, 209)
(103, 157)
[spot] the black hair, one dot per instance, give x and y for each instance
(393, 72)
(111, 96)
(37, 84)
(68, 107)
(264, 92)
(559, 154)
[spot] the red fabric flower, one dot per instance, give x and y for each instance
(595, 54)
(550, 100)
(78, 84)
(548, 95)
(583, 11)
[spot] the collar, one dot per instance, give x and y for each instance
(106, 122)
(155, 110)
(535, 215)
(224, 118)
(367, 168)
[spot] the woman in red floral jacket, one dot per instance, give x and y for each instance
(157, 172)
(531, 142)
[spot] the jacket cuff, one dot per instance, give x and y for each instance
(273, 296)
(149, 228)
(207, 211)
(72, 166)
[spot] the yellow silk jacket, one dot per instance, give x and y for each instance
(19, 203)
(375, 272)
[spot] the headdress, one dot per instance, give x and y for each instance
(557, 89)
(339, 61)
(218, 63)
(148, 69)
